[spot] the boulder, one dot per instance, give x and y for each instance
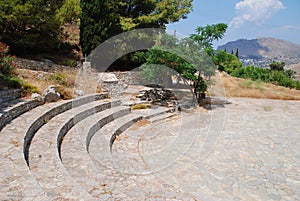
(51, 95)
(36, 96)
(108, 78)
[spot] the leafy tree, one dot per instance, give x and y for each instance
(69, 12)
(226, 62)
(275, 65)
(30, 25)
(190, 57)
(101, 20)
(205, 36)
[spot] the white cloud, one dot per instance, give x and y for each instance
(256, 11)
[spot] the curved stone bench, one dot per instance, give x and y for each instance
(45, 163)
(17, 182)
(76, 159)
(12, 112)
(82, 115)
(46, 117)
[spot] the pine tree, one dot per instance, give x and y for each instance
(237, 52)
(101, 20)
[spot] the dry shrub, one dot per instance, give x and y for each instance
(63, 80)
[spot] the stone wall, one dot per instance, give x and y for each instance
(46, 65)
(9, 95)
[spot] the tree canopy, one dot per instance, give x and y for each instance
(30, 24)
(101, 20)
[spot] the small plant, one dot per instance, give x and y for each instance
(259, 86)
(6, 61)
(139, 106)
(247, 84)
(59, 78)
(28, 89)
(12, 81)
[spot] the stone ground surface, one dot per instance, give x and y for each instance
(246, 150)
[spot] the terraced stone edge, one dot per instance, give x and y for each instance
(46, 117)
(79, 117)
(11, 114)
(97, 126)
(120, 130)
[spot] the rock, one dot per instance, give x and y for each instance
(37, 96)
(108, 78)
(78, 92)
(51, 95)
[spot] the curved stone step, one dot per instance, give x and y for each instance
(44, 158)
(47, 116)
(17, 181)
(125, 171)
(77, 160)
(15, 108)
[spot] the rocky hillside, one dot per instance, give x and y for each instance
(263, 51)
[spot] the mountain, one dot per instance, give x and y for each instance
(262, 51)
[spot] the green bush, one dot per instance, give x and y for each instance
(28, 89)
(6, 61)
(59, 78)
(278, 77)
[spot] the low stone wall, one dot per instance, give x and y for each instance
(47, 65)
(9, 115)
(129, 77)
(9, 95)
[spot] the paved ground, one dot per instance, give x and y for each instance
(247, 150)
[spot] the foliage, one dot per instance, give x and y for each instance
(275, 65)
(6, 61)
(69, 12)
(182, 57)
(277, 77)
(204, 36)
(30, 25)
(101, 20)
(276, 74)
(7, 68)
(226, 62)
(28, 89)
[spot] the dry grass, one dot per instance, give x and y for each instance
(64, 80)
(139, 107)
(237, 87)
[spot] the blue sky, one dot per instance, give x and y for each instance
(247, 19)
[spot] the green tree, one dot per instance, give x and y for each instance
(275, 65)
(237, 52)
(69, 12)
(101, 20)
(226, 62)
(190, 57)
(205, 36)
(30, 25)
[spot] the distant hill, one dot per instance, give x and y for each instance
(262, 51)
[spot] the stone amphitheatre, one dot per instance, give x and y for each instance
(233, 149)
